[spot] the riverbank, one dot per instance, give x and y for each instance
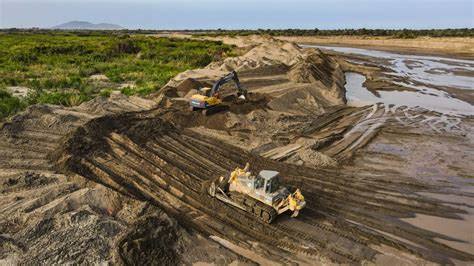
(453, 47)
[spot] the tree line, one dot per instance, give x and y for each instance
(395, 33)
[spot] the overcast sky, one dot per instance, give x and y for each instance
(241, 14)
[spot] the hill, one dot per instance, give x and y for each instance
(84, 25)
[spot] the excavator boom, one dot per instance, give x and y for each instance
(232, 76)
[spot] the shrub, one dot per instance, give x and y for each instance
(61, 98)
(10, 105)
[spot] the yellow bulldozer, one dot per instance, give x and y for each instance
(207, 99)
(259, 194)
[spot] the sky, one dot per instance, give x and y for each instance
(241, 14)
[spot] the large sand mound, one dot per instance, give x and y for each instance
(265, 54)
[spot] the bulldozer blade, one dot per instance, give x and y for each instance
(295, 213)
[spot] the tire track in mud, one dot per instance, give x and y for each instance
(150, 159)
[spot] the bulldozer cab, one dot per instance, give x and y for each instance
(267, 181)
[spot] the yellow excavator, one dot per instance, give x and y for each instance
(207, 99)
(259, 194)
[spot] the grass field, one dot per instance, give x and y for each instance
(57, 67)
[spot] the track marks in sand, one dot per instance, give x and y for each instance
(346, 133)
(170, 168)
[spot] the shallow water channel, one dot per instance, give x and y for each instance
(422, 73)
(358, 95)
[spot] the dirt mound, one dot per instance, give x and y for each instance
(153, 239)
(116, 103)
(311, 157)
(253, 101)
(99, 129)
(316, 66)
(44, 215)
(268, 53)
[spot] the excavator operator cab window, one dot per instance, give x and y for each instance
(272, 185)
(205, 92)
(259, 182)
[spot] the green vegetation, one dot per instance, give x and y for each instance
(9, 104)
(58, 66)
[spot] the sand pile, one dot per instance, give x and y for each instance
(302, 101)
(44, 215)
(241, 41)
(322, 70)
(285, 84)
(115, 103)
(266, 54)
(183, 88)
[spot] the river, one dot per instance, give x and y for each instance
(425, 74)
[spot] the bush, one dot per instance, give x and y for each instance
(122, 46)
(25, 57)
(105, 93)
(61, 98)
(10, 105)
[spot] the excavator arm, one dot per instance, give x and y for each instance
(232, 76)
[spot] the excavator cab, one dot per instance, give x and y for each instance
(205, 92)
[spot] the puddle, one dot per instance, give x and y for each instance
(460, 230)
(427, 98)
(406, 241)
(387, 149)
(430, 70)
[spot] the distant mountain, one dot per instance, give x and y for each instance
(84, 25)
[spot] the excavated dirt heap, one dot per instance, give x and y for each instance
(287, 88)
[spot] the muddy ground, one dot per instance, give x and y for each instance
(122, 180)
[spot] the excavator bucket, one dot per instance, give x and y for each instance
(242, 95)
